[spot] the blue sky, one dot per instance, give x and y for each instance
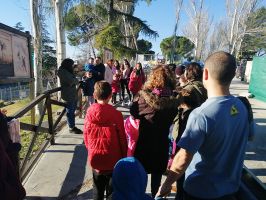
(160, 15)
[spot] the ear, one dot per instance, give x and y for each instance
(205, 74)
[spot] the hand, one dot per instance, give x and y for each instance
(164, 190)
(3, 111)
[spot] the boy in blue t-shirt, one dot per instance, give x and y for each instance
(212, 147)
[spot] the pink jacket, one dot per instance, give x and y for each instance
(132, 133)
(136, 82)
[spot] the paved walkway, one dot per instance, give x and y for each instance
(62, 172)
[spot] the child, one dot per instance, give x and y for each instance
(132, 132)
(116, 84)
(130, 180)
(105, 139)
(88, 88)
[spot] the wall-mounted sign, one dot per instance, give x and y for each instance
(14, 54)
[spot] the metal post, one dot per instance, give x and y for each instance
(10, 94)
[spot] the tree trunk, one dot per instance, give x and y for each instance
(37, 46)
(110, 11)
(60, 33)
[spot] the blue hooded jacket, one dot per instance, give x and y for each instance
(129, 180)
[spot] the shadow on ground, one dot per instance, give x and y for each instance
(76, 171)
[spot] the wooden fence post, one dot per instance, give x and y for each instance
(50, 119)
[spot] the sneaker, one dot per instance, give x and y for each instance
(75, 130)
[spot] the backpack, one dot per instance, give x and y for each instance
(245, 101)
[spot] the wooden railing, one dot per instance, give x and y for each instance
(53, 126)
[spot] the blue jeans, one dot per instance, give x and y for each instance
(70, 113)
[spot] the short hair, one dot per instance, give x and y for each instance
(98, 57)
(102, 90)
(221, 66)
(194, 71)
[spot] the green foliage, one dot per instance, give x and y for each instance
(182, 47)
(256, 41)
(110, 38)
(92, 19)
(19, 26)
(144, 46)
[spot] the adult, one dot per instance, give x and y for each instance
(10, 185)
(212, 147)
(12, 145)
(125, 80)
(100, 68)
(137, 79)
(116, 65)
(193, 77)
(90, 65)
(69, 93)
(155, 107)
(109, 71)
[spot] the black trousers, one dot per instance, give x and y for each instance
(124, 85)
(114, 98)
(101, 183)
(155, 183)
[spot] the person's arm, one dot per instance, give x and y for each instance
(134, 109)
(68, 79)
(180, 163)
(122, 134)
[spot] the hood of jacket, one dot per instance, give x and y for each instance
(100, 113)
(158, 103)
(129, 180)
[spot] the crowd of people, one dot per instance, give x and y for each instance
(183, 123)
(123, 79)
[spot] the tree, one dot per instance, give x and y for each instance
(19, 26)
(110, 38)
(49, 60)
(182, 48)
(144, 46)
(198, 27)
(88, 20)
(238, 12)
(36, 11)
(255, 42)
(60, 31)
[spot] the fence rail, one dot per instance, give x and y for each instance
(53, 126)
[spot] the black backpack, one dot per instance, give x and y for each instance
(245, 101)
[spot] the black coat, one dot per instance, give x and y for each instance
(156, 115)
(101, 69)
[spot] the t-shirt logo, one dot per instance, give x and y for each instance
(234, 110)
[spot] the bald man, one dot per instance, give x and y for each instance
(213, 143)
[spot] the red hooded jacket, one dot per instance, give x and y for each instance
(104, 137)
(136, 81)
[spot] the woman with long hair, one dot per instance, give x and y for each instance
(69, 93)
(137, 79)
(126, 70)
(155, 107)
